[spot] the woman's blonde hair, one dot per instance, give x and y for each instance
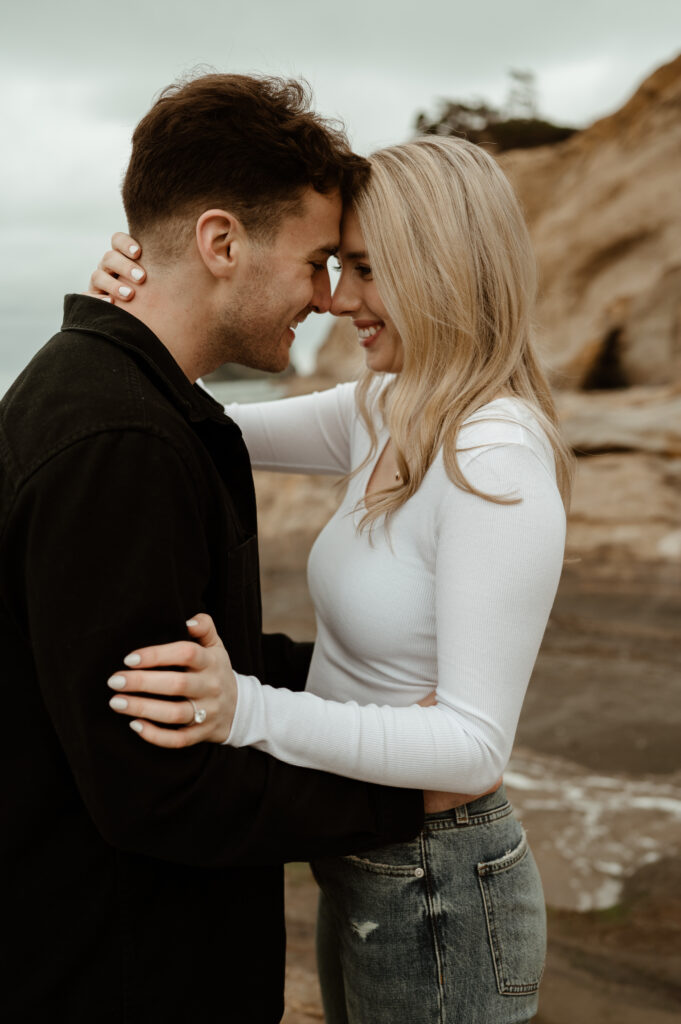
(454, 266)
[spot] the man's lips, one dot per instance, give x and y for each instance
(291, 329)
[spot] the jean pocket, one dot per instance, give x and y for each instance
(516, 919)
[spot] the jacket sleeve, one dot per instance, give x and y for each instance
(113, 556)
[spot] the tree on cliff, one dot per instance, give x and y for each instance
(516, 125)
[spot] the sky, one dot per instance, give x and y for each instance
(76, 77)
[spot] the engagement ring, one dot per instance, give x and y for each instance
(199, 713)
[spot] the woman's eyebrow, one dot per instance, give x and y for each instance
(355, 255)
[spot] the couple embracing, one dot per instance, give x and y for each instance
(144, 863)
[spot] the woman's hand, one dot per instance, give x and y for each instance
(207, 684)
(118, 273)
(429, 701)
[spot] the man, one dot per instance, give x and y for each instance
(143, 884)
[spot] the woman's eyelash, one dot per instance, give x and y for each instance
(362, 269)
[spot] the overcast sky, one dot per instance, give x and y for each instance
(76, 77)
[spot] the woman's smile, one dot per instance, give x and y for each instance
(368, 333)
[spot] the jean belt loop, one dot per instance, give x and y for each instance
(461, 814)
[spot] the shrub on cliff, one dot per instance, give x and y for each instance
(516, 126)
(486, 126)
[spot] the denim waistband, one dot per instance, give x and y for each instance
(484, 808)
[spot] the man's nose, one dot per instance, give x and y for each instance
(321, 299)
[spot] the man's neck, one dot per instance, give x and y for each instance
(175, 316)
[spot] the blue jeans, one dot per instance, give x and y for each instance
(449, 927)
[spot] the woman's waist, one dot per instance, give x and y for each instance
(471, 809)
(477, 831)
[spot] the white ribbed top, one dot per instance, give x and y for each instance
(455, 599)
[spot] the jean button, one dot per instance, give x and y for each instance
(419, 872)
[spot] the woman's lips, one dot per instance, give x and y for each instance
(369, 338)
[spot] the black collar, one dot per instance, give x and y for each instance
(85, 313)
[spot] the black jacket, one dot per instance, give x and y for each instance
(140, 884)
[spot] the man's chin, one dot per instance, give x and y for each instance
(253, 352)
(273, 362)
(282, 357)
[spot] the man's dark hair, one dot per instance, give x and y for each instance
(248, 144)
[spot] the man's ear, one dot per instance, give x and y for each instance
(220, 238)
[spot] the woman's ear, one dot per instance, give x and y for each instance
(219, 238)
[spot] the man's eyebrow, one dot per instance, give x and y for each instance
(327, 250)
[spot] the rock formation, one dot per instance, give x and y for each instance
(644, 419)
(604, 212)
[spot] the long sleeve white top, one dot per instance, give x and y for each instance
(455, 598)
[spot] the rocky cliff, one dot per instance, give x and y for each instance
(604, 212)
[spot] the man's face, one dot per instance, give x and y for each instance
(283, 281)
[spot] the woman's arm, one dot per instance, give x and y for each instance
(305, 434)
(497, 571)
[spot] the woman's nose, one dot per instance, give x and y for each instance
(344, 301)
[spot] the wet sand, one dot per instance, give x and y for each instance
(605, 691)
(596, 779)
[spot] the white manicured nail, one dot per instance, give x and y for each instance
(116, 682)
(192, 622)
(131, 660)
(133, 249)
(137, 274)
(118, 703)
(124, 291)
(136, 726)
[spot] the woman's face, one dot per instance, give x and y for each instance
(356, 296)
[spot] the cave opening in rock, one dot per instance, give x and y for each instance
(607, 372)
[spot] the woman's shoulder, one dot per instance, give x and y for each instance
(504, 421)
(503, 416)
(502, 450)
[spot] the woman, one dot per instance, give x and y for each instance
(437, 572)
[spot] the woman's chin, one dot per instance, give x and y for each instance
(378, 365)
(373, 361)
